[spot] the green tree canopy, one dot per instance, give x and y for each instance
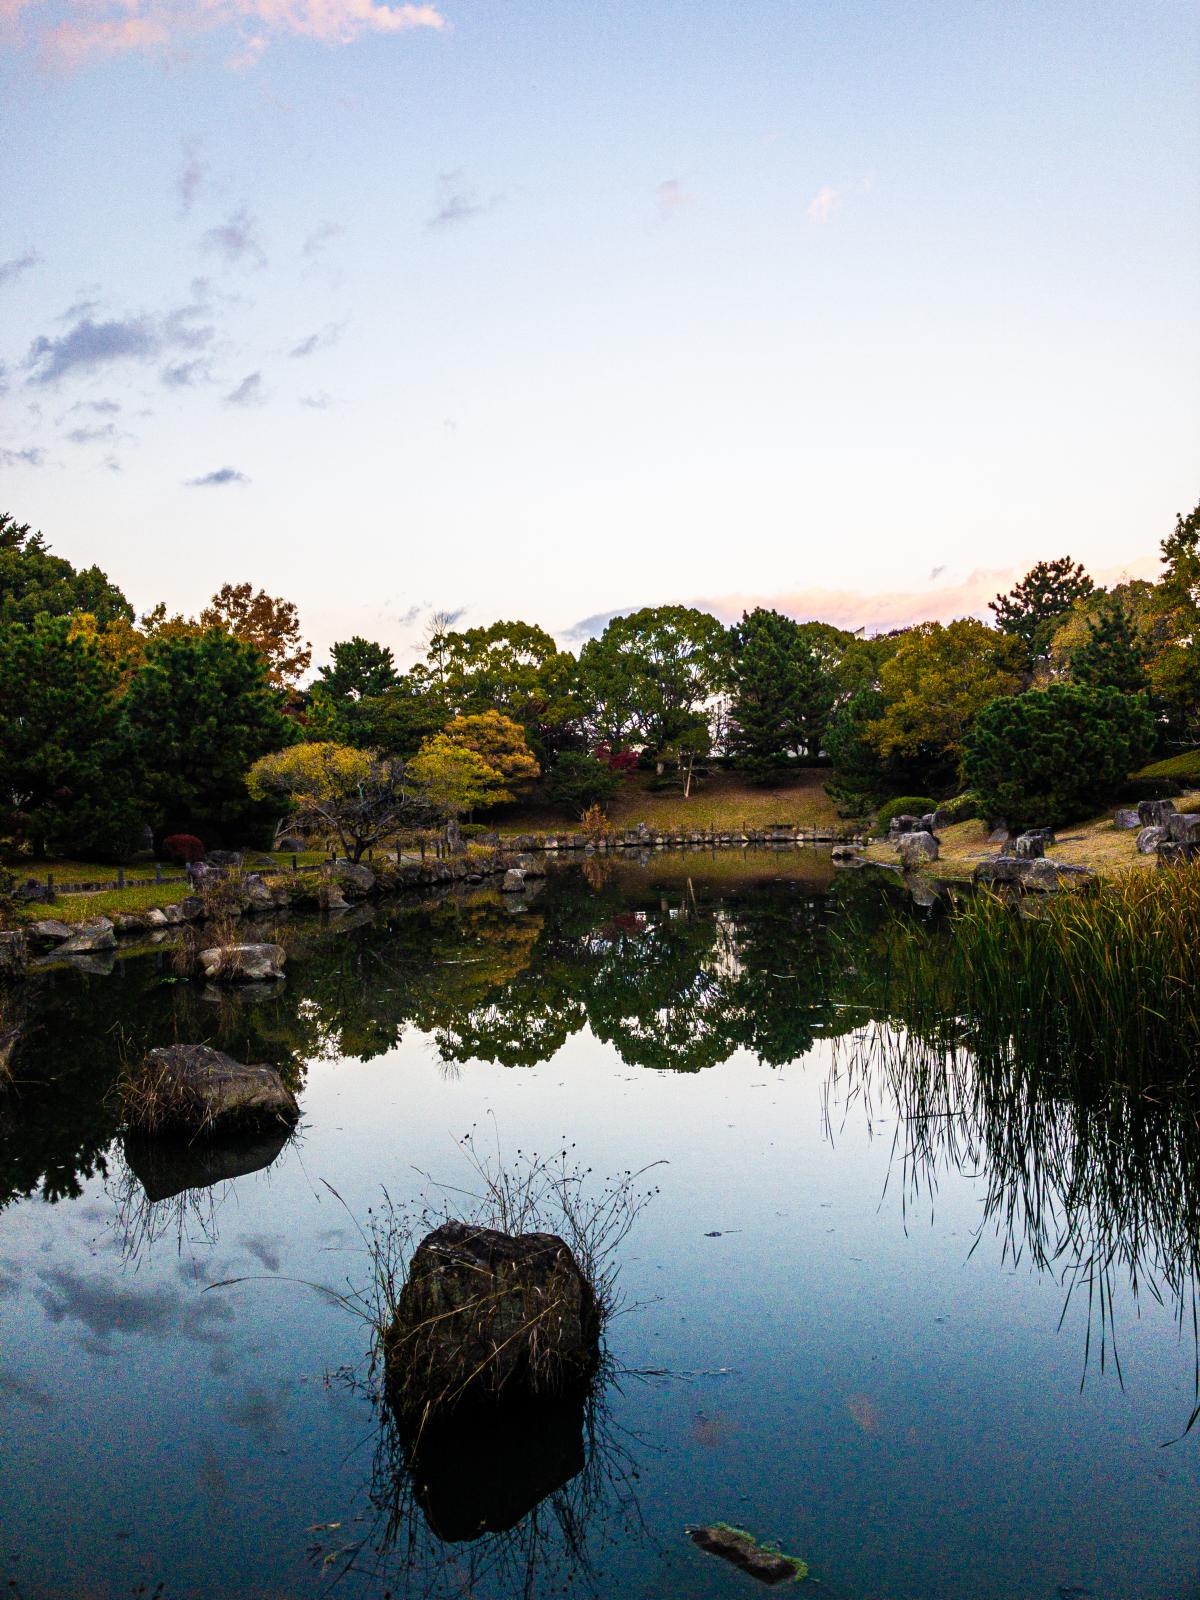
(1110, 656)
(939, 679)
(1047, 756)
(649, 674)
(65, 773)
(33, 581)
(1175, 670)
(360, 670)
(514, 667)
(201, 711)
(1032, 609)
(783, 690)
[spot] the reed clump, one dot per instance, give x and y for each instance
(1097, 989)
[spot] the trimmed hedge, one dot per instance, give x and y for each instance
(1184, 768)
(905, 805)
(963, 808)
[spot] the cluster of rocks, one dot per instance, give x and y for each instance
(1161, 830)
(1024, 864)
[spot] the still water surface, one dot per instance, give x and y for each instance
(840, 1330)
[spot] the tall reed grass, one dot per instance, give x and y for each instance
(1097, 989)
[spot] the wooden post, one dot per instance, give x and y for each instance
(120, 877)
(50, 884)
(157, 872)
(295, 864)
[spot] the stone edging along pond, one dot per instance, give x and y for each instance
(40, 943)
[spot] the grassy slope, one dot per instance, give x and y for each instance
(1095, 844)
(725, 801)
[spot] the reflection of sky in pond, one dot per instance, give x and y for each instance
(848, 1376)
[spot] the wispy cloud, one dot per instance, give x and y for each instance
(22, 458)
(670, 197)
(236, 241)
(90, 345)
(103, 434)
(249, 392)
(192, 178)
(217, 479)
(185, 374)
(822, 203)
(97, 408)
(591, 627)
(459, 201)
(316, 402)
(321, 340)
(96, 30)
(322, 235)
(11, 270)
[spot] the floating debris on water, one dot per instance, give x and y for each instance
(766, 1562)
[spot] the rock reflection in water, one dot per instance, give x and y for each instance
(166, 1168)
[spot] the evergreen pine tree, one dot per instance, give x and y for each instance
(1111, 658)
(783, 692)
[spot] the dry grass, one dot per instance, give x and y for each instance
(725, 802)
(1095, 843)
(151, 1099)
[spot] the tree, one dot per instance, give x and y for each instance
(395, 722)
(1110, 656)
(512, 667)
(577, 782)
(782, 692)
(32, 581)
(359, 796)
(201, 711)
(272, 626)
(860, 776)
(501, 743)
(1048, 756)
(649, 674)
(932, 688)
(360, 670)
(1175, 670)
(454, 780)
(66, 778)
(1031, 610)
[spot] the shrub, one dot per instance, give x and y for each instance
(1051, 755)
(622, 761)
(184, 847)
(1184, 768)
(1135, 789)
(580, 782)
(906, 805)
(962, 808)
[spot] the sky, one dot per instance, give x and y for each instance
(550, 309)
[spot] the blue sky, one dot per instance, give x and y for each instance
(550, 309)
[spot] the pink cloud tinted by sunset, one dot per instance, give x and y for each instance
(876, 613)
(91, 30)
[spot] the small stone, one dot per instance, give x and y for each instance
(50, 930)
(1126, 819)
(88, 936)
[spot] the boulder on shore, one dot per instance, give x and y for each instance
(88, 936)
(243, 963)
(484, 1312)
(1127, 819)
(1154, 813)
(1033, 843)
(513, 881)
(14, 952)
(1149, 839)
(193, 1089)
(916, 849)
(1039, 873)
(354, 878)
(49, 930)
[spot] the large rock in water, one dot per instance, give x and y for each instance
(244, 963)
(193, 1089)
(485, 1314)
(96, 935)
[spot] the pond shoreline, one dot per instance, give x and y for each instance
(41, 943)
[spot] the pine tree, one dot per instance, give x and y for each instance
(783, 692)
(1111, 658)
(1031, 610)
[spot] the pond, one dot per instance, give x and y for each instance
(935, 1339)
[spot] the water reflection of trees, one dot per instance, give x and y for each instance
(1102, 1191)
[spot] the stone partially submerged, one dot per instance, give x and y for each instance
(765, 1562)
(242, 963)
(193, 1089)
(916, 849)
(485, 1316)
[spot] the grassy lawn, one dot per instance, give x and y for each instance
(1095, 843)
(725, 802)
(106, 903)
